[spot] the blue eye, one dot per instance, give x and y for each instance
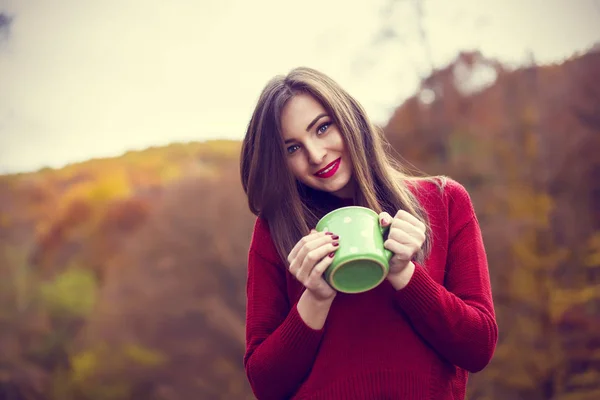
(292, 148)
(323, 128)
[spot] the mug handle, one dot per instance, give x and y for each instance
(385, 230)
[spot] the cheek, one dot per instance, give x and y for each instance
(295, 166)
(347, 161)
(341, 148)
(337, 142)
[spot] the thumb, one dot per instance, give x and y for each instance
(385, 219)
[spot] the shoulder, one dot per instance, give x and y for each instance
(262, 241)
(460, 206)
(444, 195)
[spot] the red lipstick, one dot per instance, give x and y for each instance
(329, 170)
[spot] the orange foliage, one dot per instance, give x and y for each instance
(160, 239)
(526, 148)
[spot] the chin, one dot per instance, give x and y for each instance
(337, 186)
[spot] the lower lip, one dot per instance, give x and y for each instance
(331, 172)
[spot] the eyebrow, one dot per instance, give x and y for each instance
(312, 123)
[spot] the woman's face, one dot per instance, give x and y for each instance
(314, 147)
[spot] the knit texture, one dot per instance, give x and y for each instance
(416, 343)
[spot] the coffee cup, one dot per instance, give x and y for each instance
(361, 262)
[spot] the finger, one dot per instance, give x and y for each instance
(305, 245)
(317, 272)
(404, 232)
(399, 260)
(313, 258)
(401, 251)
(385, 219)
(414, 244)
(314, 242)
(298, 246)
(306, 239)
(411, 219)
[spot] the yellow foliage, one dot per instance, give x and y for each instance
(528, 255)
(526, 204)
(84, 365)
(144, 356)
(170, 173)
(529, 118)
(520, 376)
(110, 187)
(87, 363)
(593, 258)
(72, 292)
(98, 373)
(225, 148)
(524, 282)
(585, 379)
(563, 299)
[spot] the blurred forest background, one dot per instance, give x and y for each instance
(124, 278)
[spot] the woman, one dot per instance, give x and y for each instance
(309, 149)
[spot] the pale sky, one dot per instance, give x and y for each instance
(95, 78)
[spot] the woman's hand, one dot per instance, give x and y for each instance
(405, 238)
(309, 258)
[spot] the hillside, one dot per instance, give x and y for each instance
(526, 147)
(124, 278)
(123, 275)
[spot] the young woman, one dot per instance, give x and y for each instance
(309, 149)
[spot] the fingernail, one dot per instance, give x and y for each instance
(328, 233)
(335, 244)
(331, 254)
(382, 221)
(334, 237)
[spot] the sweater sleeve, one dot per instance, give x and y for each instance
(457, 319)
(280, 347)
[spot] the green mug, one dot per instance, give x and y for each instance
(361, 263)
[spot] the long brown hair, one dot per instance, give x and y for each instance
(291, 208)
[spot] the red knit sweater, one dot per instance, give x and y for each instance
(415, 343)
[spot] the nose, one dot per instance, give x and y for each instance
(316, 153)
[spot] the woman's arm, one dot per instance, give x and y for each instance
(282, 339)
(457, 319)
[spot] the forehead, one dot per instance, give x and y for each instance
(298, 113)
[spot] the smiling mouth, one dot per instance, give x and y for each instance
(329, 170)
